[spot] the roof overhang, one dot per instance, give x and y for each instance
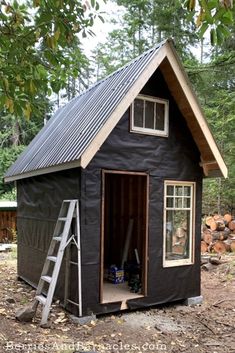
(181, 89)
(52, 169)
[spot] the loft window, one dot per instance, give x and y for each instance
(149, 115)
(178, 223)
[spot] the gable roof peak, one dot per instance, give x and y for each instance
(78, 129)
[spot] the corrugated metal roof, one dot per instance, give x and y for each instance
(73, 127)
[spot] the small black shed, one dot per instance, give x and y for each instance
(133, 149)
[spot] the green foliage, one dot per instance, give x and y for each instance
(9, 195)
(143, 24)
(213, 15)
(35, 38)
(149, 22)
(215, 86)
(8, 155)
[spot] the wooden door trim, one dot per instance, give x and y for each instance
(145, 272)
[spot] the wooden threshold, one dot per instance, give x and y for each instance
(118, 293)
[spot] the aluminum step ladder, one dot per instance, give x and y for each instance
(61, 239)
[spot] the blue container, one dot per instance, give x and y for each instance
(115, 275)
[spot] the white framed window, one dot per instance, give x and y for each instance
(179, 223)
(150, 115)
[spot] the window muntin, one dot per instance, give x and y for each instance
(149, 115)
(178, 223)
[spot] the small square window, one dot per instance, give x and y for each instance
(149, 115)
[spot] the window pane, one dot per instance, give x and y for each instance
(149, 115)
(177, 234)
(160, 120)
(178, 202)
(187, 202)
(169, 202)
(179, 190)
(170, 190)
(187, 191)
(138, 112)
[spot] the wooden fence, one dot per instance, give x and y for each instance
(7, 226)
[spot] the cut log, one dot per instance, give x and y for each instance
(227, 217)
(219, 247)
(208, 221)
(213, 225)
(204, 247)
(207, 236)
(227, 231)
(219, 235)
(231, 225)
(227, 244)
(232, 246)
(203, 228)
(220, 225)
(210, 247)
(218, 217)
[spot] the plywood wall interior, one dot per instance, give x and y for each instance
(125, 199)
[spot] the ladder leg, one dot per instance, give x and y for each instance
(79, 259)
(67, 274)
(63, 226)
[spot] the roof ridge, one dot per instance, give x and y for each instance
(155, 47)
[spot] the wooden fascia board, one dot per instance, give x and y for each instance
(122, 107)
(52, 169)
(177, 67)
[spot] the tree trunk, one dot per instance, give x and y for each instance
(15, 138)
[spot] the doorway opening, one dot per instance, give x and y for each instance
(124, 236)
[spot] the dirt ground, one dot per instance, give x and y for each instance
(207, 328)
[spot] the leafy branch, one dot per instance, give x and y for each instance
(215, 16)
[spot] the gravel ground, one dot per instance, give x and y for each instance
(206, 328)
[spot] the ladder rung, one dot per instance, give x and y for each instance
(52, 258)
(57, 238)
(73, 263)
(72, 302)
(63, 219)
(46, 279)
(41, 299)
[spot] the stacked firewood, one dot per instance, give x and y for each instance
(218, 234)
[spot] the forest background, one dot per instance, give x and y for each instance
(43, 65)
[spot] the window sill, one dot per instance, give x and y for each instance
(175, 263)
(149, 132)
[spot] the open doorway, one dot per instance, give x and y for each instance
(124, 236)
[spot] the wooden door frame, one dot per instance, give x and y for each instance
(145, 261)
